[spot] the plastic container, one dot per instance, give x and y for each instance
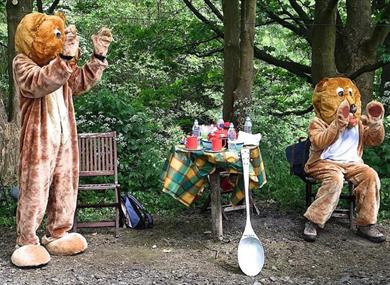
(248, 125)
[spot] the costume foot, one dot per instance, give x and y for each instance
(69, 244)
(310, 232)
(371, 233)
(30, 256)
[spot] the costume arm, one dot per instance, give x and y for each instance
(321, 135)
(373, 135)
(35, 81)
(84, 78)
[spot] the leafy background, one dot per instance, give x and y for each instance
(158, 82)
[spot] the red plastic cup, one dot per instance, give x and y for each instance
(192, 142)
(216, 144)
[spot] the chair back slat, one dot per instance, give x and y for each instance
(97, 154)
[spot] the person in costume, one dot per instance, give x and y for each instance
(46, 77)
(338, 135)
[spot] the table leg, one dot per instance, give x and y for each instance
(216, 212)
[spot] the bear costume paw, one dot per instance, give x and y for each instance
(30, 256)
(69, 244)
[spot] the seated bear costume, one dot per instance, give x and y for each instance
(46, 77)
(338, 134)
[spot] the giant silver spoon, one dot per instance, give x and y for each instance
(250, 251)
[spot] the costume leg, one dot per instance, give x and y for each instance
(35, 171)
(63, 193)
(367, 185)
(331, 176)
(62, 205)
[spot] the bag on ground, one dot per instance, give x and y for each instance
(134, 215)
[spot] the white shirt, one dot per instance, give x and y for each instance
(60, 113)
(344, 149)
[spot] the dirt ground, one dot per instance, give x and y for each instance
(180, 250)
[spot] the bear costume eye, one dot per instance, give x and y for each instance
(57, 33)
(350, 92)
(340, 91)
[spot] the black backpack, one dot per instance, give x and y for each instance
(133, 214)
(297, 155)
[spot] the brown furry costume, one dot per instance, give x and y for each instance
(48, 169)
(333, 99)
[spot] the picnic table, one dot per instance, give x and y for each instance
(186, 173)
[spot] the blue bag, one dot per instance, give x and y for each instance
(134, 215)
(297, 155)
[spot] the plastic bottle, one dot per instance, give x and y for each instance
(231, 137)
(248, 125)
(196, 129)
(220, 123)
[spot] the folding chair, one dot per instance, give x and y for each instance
(98, 158)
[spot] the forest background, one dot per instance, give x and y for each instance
(167, 69)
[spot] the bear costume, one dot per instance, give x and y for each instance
(46, 77)
(338, 134)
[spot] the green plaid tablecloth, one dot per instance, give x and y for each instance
(185, 172)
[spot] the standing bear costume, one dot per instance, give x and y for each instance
(46, 77)
(338, 134)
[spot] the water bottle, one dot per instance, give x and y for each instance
(248, 125)
(220, 123)
(231, 138)
(196, 129)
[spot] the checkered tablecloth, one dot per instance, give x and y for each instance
(185, 172)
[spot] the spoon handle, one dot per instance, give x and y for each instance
(245, 166)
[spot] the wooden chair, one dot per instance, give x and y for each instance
(98, 158)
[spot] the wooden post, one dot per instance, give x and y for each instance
(216, 213)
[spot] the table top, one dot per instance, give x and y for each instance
(185, 172)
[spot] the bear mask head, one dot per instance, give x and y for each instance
(40, 37)
(329, 93)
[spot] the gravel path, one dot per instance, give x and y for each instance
(180, 250)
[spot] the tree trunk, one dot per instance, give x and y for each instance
(323, 40)
(385, 79)
(358, 31)
(9, 148)
(9, 125)
(231, 55)
(243, 94)
(15, 13)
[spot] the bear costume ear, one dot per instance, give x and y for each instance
(321, 85)
(61, 15)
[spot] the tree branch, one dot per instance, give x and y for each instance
(292, 112)
(302, 14)
(298, 31)
(53, 7)
(197, 43)
(208, 53)
(203, 18)
(39, 6)
(367, 68)
(214, 9)
(3, 45)
(293, 67)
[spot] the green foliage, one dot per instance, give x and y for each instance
(379, 156)
(159, 81)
